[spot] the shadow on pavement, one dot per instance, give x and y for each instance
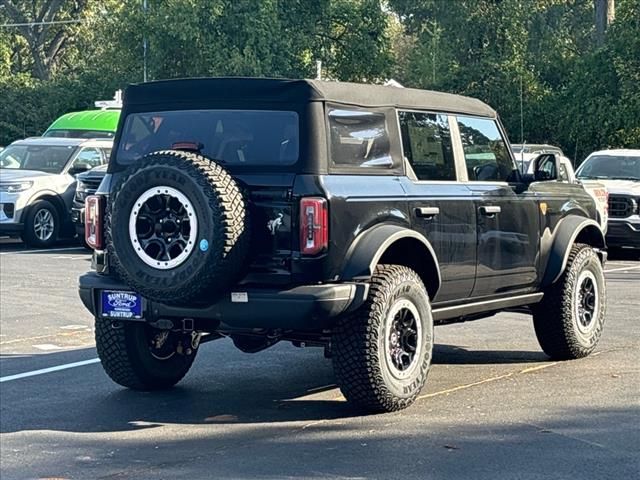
(225, 387)
(17, 246)
(453, 355)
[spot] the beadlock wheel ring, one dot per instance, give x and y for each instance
(163, 227)
(586, 302)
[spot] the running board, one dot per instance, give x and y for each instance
(455, 311)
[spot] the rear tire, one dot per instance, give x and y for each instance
(382, 352)
(569, 320)
(125, 351)
(42, 225)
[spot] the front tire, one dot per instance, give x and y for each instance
(130, 355)
(569, 320)
(42, 225)
(382, 352)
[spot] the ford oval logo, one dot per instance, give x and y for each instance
(122, 300)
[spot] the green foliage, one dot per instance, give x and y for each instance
(574, 93)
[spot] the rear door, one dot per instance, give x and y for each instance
(441, 208)
(508, 223)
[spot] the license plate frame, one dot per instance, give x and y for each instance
(121, 305)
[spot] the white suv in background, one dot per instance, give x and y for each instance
(37, 185)
(619, 171)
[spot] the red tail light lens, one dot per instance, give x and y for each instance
(93, 212)
(314, 225)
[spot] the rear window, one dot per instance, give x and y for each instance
(235, 137)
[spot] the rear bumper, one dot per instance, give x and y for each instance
(301, 308)
(624, 233)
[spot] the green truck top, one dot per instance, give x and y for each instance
(87, 124)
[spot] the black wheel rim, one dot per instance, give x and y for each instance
(163, 227)
(403, 338)
(587, 302)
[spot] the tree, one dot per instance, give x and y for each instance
(45, 39)
(605, 14)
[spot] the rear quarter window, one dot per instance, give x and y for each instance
(359, 139)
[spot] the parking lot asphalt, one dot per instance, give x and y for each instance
(495, 407)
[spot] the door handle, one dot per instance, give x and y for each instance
(490, 210)
(427, 212)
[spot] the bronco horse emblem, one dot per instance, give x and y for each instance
(274, 225)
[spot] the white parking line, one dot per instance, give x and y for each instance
(47, 250)
(622, 269)
(42, 371)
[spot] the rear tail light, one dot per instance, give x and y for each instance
(93, 213)
(314, 225)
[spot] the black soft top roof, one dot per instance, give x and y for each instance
(268, 90)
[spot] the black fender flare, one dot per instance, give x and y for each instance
(367, 250)
(568, 232)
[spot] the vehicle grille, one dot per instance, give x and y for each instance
(621, 206)
(90, 185)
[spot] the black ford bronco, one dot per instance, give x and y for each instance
(350, 217)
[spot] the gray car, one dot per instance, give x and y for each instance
(37, 185)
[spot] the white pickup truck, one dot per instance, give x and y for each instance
(596, 189)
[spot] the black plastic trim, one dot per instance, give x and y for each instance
(307, 307)
(446, 313)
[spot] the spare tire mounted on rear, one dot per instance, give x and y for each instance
(179, 227)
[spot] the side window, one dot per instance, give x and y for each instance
(426, 141)
(485, 150)
(359, 139)
(106, 152)
(564, 174)
(89, 156)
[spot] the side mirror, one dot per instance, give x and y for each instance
(546, 167)
(79, 168)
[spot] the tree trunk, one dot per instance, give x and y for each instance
(605, 14)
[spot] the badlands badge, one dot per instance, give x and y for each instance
(543, 208)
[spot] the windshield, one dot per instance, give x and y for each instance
(43, 158)
(78, 134)
(610, 167)
(235, 137)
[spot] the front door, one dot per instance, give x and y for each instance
(442, 209)
(508, 223)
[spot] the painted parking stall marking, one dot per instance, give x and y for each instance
(42, 371)
(622, 269)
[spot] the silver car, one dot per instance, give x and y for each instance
(37, 185)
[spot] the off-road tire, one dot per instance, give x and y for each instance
(29, 235)
(125, 355)
(359, 356)
(555, 319)
(223, 224)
